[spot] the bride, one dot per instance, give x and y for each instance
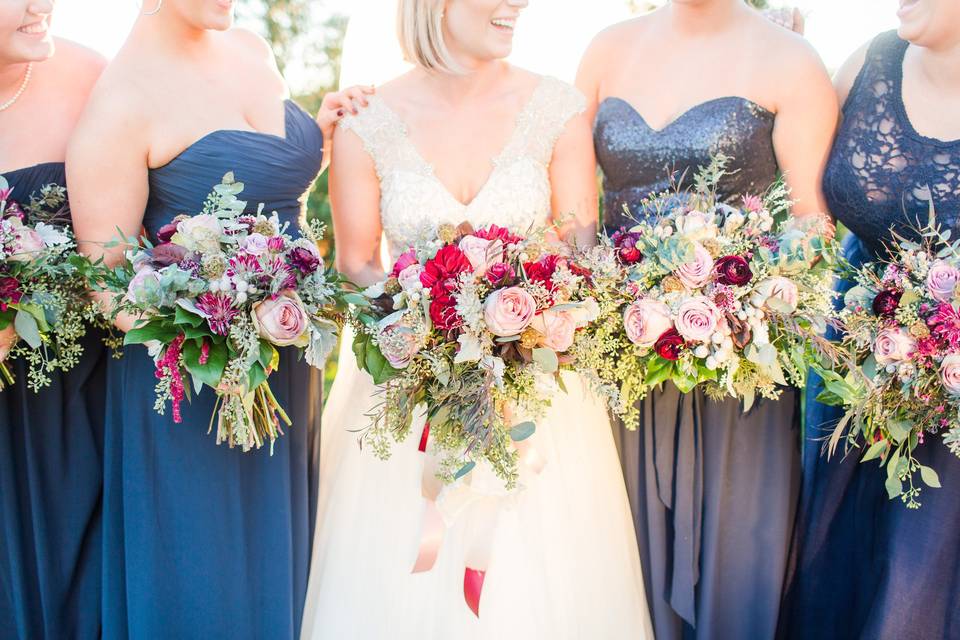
(465, 136)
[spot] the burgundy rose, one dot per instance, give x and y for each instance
(886, 303)
(626, 244)
(733, 271)
(443, 312)
(669, 345)
(303, 260)
(167, 254)
(165, 233)
(500, 274)
(449, 263)
(9, 292)
(493, 232)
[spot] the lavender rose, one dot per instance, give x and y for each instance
(398, 344)
(950, 374)
(409, 278)
(893, 346)
(942, 280)
(645, 321)
(697, 273)
(557, 329)
(256, 244)
(26, 245)
(509, 311)
(281, 320)
(697, 319)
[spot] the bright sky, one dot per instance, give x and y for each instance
(550, 37)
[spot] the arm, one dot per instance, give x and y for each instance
(355, 200)
(107, 178)
(806, 122)
(846, 76)
(573, 180)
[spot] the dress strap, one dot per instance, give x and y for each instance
(384, 136)
(879, 78)
(553, 104)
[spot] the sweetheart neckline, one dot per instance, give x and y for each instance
(687, 112)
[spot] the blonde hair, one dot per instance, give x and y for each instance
(420, 31)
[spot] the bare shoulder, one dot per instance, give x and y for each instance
(249, 42)
(614, 38)
(77, 66)
(120, 104)
(846, 76)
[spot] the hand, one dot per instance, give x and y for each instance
(788, 18)
(8, 340)
(337, 105)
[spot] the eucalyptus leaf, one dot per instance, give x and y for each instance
(894, 487)
(874, 451)
(899, 429)
(27, 329)
(930, 477)
(547, 359)
(464, 470)
(522, 431)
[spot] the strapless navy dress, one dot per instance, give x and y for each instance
(713, 490)
(51, 446)
(864, 566)
(200, 540)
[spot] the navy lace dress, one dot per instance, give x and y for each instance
(866, 566)
(200, 540)
(51, 446)
(713, 490)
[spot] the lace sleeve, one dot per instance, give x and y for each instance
(555, 104)
(383, 136)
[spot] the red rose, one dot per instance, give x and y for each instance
(443, 312)
(493, 232)
(500, 274)
(449, 263)
(626, 245)
(886, 303)
(669, 345)
(10, 292)
(733, 270)
(542, 271)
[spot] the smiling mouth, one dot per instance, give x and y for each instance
(504, 24)
(906, 5)
(35, 29)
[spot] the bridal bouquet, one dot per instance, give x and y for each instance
(709, 294)
(215, 299)
(466, 324)
(902, 328)
(43, 292)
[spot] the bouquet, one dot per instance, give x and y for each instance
(467, 324)
(706, 293)
(43, 291)
(902, 381)
(216, 298)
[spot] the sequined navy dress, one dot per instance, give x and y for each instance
(203, 541)
(865, 566)
(713, 490)
(51, 446)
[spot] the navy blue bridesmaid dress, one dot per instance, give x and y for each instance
(200, 540)
(864, 566)
(713, 490)
(51, 454)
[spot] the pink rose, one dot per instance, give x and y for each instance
(778, 288)
(255, 244)
(893, 345)
(281, 321)
(942, 280)
(481, 253)
(26, 245)
(409, 278)
(950, 374)
(698, 319)
(405, 260)
(697, 273)
(557, 329)
(398, 344)
(509, 311)
(645, 321)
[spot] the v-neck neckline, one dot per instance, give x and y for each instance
(495, 161)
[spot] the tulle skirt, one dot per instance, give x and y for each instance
(563, 559)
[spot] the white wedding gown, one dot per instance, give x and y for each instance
(563, 556)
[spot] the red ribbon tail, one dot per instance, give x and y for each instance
(473, 588)
(423, 438)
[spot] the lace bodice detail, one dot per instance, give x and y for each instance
(882, 173)
(413, 202)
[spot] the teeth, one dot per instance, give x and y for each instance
(34, 29)
(506, 24)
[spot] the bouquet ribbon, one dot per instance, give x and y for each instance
(478, 498)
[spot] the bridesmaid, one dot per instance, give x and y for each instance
(866, 567)
(200, 540)
(713, 490)
(51, 441)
